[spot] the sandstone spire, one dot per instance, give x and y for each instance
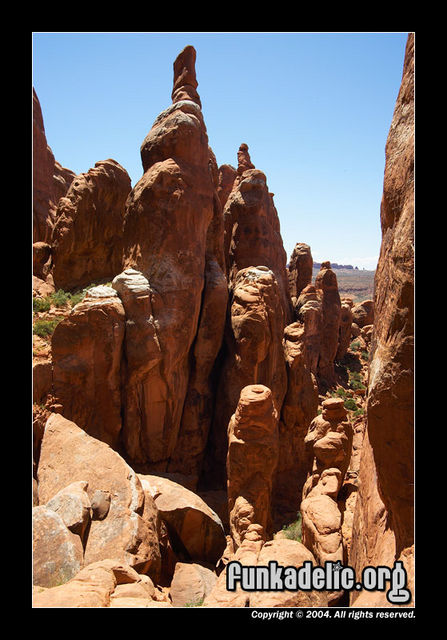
(243, 159)
(185, 82)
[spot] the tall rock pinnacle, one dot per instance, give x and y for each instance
(185, 82)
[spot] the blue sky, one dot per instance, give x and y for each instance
(314, 108)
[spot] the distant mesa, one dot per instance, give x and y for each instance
(334, 265)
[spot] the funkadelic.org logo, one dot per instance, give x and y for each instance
(331, 577)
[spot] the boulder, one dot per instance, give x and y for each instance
(195, 531)
(72, 504)
(363, 313)
(57, 552)
(106, 583)
(191, 584)
(129, 531)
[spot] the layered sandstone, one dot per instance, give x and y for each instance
(87, 235)
(385, 504)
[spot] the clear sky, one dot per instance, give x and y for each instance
(314, 108)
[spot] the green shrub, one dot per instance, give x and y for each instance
(355, 346)
(293, 531)
(350, 404)
(364, 355)
(41, 304)
(44, 328)
(195, 603)
(359, 412)
(60, 298)
(341, 393)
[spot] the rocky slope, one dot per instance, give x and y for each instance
(198, 402)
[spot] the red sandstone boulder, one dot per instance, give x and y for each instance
(363, 313)
(57, 552)
(128, 533)
(195, 530)
(106, 583)
(191, 584)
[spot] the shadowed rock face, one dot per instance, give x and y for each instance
(298, 410)
(50, 179)
(386, 493)
(171, 238)
(253, 355)
(86, 238)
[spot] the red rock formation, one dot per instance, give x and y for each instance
(383, 528)
(253, 355)
(168, 239)
(252, 230)
(327, 288)
(187, 457)
(344, 333)
(330, 440)
(195, 530)
(86, 238)
(254, 551)
(299, 408)
(308, 310)
(253, 448)
(103, 584)
(227, 176)
(300, 269)
(128, 531)
(87, 351)
(363, 313)
(50, 179)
